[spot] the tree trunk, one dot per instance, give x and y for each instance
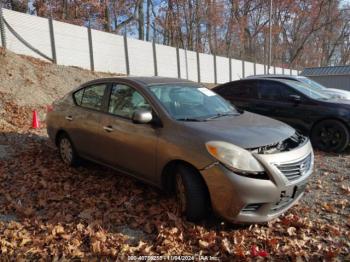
(148, 19)
(141, 21)
(65, 10)
(107, 17)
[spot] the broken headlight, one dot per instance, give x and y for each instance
(236, 159)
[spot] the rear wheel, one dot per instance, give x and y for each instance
(192, 194)
(67, 151)
(330, 135)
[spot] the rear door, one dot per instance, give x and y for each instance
(240, 93)
(269, 96)
(125, 144)
(85, 119)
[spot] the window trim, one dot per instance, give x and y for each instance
(108, 99)
(103, 106)
(252, 84)
(282, 85)
(268, 82)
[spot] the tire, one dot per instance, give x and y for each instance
(67, 152)
(192, 194)
(330, 136)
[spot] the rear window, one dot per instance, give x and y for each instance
(91, 96)
(244, 89)
(78, 96)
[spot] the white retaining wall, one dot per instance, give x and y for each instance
(166, 61)
(33, 29)
(207, 68)
(110, 56)
(72, 49)
(222, 69)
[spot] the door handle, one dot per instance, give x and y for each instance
(108, 128)
(69, 118)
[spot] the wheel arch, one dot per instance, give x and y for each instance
(328, 118)
(59, 133)
(169, 171)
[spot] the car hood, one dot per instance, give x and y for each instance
(338, 101)
(246, 130)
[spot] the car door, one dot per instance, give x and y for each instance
(84, 119)
(275, 100)
(126, 145)
(296, 109)
(240, 93)
(268, 98)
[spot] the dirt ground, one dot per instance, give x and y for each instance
(51, 212)
(30, 81)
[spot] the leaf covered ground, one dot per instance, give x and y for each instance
(49, 211)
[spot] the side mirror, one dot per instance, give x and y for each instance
(142, 116)
(295, 98)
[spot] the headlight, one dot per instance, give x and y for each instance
(235, 158)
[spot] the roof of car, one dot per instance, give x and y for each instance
(144, 80)
(286, 81)
(273, 76)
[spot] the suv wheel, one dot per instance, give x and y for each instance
(330, 135)
(67, 151)
(192, 194)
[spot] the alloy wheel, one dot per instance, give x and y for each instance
(330, 137)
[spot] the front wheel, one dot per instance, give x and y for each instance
(330, 136)
(192, 194)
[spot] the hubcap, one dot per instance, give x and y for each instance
(66, 150)
(180, 193)
(330, 136)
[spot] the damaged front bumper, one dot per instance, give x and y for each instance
(241, 199)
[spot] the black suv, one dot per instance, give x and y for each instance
(325, 120)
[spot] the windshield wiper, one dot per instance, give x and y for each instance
(222, 114)
(191, 119)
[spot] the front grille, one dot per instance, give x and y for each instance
(296, 169)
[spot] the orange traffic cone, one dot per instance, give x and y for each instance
(35, 123)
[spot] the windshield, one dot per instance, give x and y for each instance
(306, 90)
(191, 102)
(313, 84)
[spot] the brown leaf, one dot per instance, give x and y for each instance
(226, 245)
(101, 236)
(57, 230)
(25, 241)
(96, 246)
(203, 244)
(291, 231)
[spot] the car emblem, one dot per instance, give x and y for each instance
(302, 168)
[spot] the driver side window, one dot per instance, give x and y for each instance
(125, 100)
(275, 91)
(287, 92)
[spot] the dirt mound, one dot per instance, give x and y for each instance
(33, 82)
